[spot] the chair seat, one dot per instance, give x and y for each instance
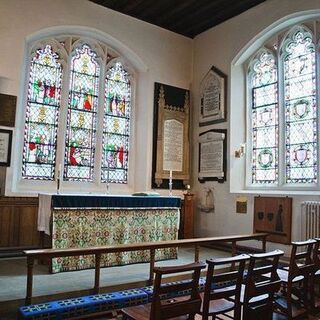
(254, 299)
(297, 310)
(177, 308)
(219, 305)
(142, 312)
(283, 275)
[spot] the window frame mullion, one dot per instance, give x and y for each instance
(281, 122)
(317, 98)
(62, 121)
(99, 124)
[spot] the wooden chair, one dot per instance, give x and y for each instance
(315, 278)
(295, 281)
(261, 284)
(184, 307)
(216, 300)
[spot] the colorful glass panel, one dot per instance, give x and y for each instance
(116, 125)
(300, 108)
(263, 83)
(82, 110)
(42, 112)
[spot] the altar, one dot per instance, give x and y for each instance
(79, 221)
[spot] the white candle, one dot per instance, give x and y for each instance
(170, 175)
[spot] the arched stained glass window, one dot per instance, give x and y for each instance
(264, 118)
(116, 125)
(282, 82)
(82, 111)
(298, 54)
(42, 113)
(77, 116)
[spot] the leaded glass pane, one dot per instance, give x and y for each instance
(82, 110)
(263, 83)
(116, 125)
(300, 108)
(42, 112)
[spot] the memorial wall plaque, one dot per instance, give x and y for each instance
(213, 97)
(171, 137)
(7, 110)
(212, 155)
(173, 145)
(5, 147)
(274, 216)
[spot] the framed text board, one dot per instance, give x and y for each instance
(213, 98)
(5, 147)
(212, 155)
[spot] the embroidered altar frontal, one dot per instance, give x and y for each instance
(86, 227)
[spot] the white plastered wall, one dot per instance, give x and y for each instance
(163, 57)
(226, 47)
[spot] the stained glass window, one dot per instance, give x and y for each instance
(42, 113)
(116, 125)
(64, 83)
(264, 121)
(82, 109)
(298, 134)
(300, 107)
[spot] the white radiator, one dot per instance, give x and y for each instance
(310, 220)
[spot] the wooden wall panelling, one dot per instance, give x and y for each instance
(18, 222)
(6, 225)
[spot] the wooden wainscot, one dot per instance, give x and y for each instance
(18, 223)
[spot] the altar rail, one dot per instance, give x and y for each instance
(152, 246)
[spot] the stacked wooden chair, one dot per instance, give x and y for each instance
(296, 281)
(222, 300)
(261, 284)
(185, 307)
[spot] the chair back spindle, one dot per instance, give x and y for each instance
(221, 287)
(261, 283)
(296, 281)
(166, 309)
(163, 306)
